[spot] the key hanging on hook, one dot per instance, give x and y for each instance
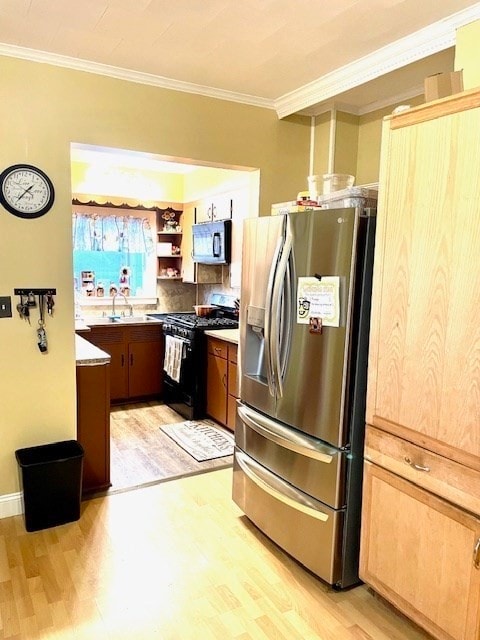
(41, 333)
(50, 303)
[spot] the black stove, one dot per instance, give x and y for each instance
(184, 323)
(192, 321)
(185, 392)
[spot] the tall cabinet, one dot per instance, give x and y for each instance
(420, 546)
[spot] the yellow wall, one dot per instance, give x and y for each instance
(206, 181)
(346, 143)
(43, 110)
(467, 54)
(130, 182)
(321, 144)
(369, 140)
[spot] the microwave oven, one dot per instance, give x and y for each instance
(212, 242)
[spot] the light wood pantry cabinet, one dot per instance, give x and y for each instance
(136, 366)
(423, 393)
(222, 381)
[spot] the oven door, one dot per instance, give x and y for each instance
(186, 396)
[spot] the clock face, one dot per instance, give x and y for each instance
(26, 191)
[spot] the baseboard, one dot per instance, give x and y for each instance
(11, 505)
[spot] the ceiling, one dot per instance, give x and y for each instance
(289, 55)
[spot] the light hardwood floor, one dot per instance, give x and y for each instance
(173, 561)
(140, 453)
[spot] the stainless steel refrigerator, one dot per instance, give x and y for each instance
(304, 324)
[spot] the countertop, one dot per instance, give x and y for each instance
(85, 324)
(229, 335)
(88, 354)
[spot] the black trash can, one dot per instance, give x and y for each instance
(51, 480)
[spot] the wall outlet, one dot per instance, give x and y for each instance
(5, 307)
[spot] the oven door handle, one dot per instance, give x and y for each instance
(286, 438)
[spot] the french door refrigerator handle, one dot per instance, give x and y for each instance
(287, 316)
(268, 318)
(274, 488)
(275, 329)
(286, 438)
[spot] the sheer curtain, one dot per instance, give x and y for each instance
(107, 245)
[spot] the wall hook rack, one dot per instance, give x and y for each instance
(35, 292)
(28, 301)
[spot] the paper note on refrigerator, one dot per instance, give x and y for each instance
(319, 298)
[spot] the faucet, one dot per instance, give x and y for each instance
(126, 302)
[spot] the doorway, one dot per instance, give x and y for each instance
(140, 453)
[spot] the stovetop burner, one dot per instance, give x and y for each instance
(192, 321)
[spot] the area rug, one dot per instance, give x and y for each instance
(202, 439)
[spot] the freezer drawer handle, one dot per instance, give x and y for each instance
(297, 504)
(297, 443)
(417, 467)
(476, 555)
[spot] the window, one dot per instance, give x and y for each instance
(114, 251)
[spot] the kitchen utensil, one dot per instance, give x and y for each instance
(204, 310)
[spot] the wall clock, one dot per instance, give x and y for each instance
(26, 191)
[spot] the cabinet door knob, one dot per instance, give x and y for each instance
(417, 467)
(123, 360)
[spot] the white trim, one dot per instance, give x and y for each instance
(312, 146)
(331, 141)
(425, 42)
(88, 66)
(11, 505)
(345, 107)
(397, 99)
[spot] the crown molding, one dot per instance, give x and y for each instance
(425, 42)
(399, 98)
(129, 75)
(345, 107)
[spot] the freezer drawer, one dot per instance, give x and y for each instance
(305, 528)
(307, 463)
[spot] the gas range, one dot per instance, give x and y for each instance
(191, 321)
(185, 388)
(186, 324)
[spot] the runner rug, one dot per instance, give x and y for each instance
(202, 439)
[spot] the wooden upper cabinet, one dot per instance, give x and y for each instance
(424, 368)
(215, 207)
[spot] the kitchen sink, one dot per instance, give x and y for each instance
(96, 321)
(130, 319)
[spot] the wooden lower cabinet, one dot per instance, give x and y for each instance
(232, 390)
(222, 381)
(93, 425)
(422, 554)
(137, 353)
